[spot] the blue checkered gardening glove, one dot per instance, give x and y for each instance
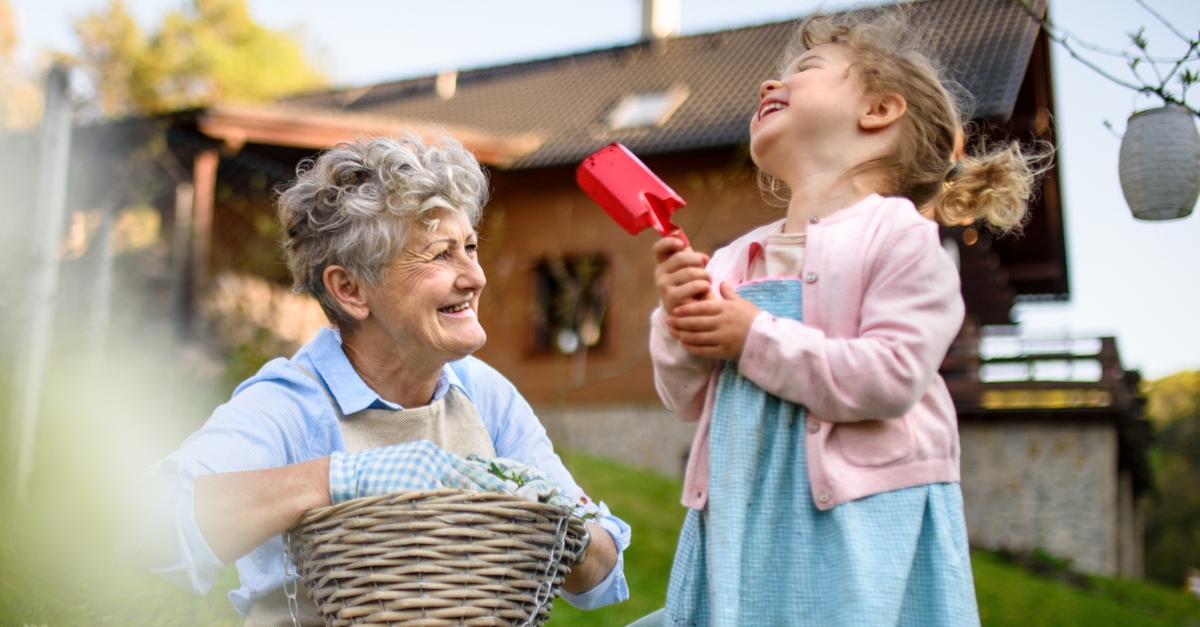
(423, 465)
(420, 465)
(515, 478)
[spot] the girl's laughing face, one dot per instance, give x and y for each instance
(810, 107)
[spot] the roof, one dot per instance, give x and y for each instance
(563, 101)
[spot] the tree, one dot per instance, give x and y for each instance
(1173, 515)
(20, 97)
(208, 51)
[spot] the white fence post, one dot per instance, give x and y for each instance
(50, 207)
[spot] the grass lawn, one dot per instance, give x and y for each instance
(51, 573)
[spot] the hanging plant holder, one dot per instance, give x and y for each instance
(1160, 163)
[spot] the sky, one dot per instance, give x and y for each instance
(1137, 281)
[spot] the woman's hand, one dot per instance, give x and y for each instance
(419, 465)
(714, 328)
(680, 275)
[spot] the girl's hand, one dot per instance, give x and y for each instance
(714, 328)
(680, 275)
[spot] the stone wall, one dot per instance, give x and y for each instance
(1043, 485)
(1131, 530)
(639, 435)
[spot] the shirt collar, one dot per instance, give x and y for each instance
(759, 237)
(327, 359)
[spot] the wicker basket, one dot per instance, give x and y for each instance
(435, 558)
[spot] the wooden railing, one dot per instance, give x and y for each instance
(981, 382)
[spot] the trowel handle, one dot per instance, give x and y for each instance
(687, 246)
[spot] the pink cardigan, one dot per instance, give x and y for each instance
(881, 306)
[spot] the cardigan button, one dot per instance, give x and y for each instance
(813, 426)
(823, 497)
(811, 277)
(814, 219)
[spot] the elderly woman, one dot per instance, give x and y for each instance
(382, 234)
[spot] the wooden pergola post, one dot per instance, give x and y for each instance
(181, 250)
(204, 184)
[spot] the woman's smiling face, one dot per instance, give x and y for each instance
(429, 298)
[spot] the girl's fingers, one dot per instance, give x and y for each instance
(699, 338)
(666, 248)
(702, 351)
(685, 293)
(695, 324)
(711, 307)
(687, 275)
(681, 261)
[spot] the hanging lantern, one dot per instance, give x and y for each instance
(1160, 163)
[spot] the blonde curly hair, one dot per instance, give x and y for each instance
(929, 165)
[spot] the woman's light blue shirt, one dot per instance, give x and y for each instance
(280, 416)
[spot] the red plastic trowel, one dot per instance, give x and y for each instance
(629, 191)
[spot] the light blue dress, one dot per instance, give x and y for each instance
(763, 554)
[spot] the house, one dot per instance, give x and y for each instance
(1054, 447)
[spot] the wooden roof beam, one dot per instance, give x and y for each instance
(282, 126)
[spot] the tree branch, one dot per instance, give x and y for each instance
(1164, 21)
(1179, 64)
(1109, 51)
(1063, 38)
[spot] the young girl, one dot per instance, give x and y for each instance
(823, 477)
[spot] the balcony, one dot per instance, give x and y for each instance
(1013, 373)
(999, 377)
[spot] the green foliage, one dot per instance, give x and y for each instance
(1173, 514)
(1011, 596)
(1173, 397)
(209, 51)
(245, 359)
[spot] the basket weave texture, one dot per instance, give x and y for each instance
(435, 558)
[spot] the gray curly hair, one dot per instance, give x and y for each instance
(353, 206)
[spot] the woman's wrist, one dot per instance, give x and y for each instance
(318, 487)
(582, 554)
(600, 558)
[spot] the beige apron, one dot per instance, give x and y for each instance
(451, 422)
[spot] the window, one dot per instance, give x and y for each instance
(571, 303)
(646, 109)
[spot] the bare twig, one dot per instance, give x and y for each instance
(1179, 64)
(1107, 51)
(1109, 125)
(1164, 21)
(1161, 89)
